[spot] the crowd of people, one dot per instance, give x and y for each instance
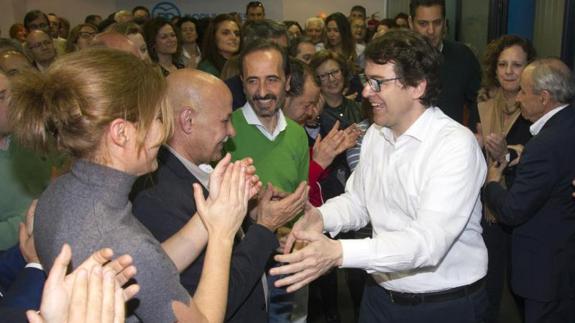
(220, 170)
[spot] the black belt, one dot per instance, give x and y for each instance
(434, 297)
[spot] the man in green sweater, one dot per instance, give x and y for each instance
(277, 145)
(23, 174)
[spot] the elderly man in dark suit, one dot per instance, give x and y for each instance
(202, 106)
(539, 204)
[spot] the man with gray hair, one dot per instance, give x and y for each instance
(314, 30)
(539, 205)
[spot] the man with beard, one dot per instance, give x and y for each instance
(202, 124)
(277, 145)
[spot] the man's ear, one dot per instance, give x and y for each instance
(544, 97)
(410, 22)
(288, 80)
(119, 132)
(185, 119)
(419, 89)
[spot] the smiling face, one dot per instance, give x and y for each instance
(228, 38)
(265, 82)
(166, 41)
(395, 106)
(140, 158)
(510, 64)
(314, 30)
(331, 78)
(212, 126)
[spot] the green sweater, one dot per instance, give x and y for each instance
(284, 162)
(23, 176)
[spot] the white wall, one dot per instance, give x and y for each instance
(75, 10)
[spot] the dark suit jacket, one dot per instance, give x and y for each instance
(540, 206)
(460, 76)
(21, 287)
(164, 203)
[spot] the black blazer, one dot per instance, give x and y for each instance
(163, 202)
(540, 206)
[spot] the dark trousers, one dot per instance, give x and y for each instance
(561, 311)
(497, 239)
(377, 307)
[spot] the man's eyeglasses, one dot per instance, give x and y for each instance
(375, 84)
(333, 74)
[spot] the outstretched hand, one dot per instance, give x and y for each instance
(311, 221)
(305, 265)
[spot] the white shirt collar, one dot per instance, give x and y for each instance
(201, 172)
(252, 119)
(540, 123)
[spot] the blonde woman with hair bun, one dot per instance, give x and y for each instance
(109, 111)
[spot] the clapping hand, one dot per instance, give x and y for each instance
(225, 208)
(91, 293)
(334, 143)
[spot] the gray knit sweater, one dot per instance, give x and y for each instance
(89, 209)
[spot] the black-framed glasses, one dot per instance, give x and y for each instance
(375, 84)
(333, 74)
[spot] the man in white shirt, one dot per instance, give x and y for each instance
(418, 183)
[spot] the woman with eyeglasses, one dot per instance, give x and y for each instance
(332, 72)
(164, 44)
(80, 37)
(222, 41)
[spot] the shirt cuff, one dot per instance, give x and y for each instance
(34, 265)
(329, 222)
(355, 253)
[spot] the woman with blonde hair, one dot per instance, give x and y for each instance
(108, 110)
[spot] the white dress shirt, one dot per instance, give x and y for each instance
(252, 119)
(421, 193)
(538, 125)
